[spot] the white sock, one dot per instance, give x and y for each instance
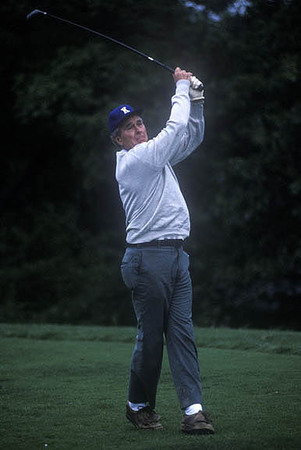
(136, 406)
(193, 409)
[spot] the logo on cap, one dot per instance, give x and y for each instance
(125, 110)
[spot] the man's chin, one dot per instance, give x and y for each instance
(140, 140)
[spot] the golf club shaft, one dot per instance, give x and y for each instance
(38, 11)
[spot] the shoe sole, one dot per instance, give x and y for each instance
(200, 431)
(155, 427)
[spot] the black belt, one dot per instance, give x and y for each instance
(159, 243)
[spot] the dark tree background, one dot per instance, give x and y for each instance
(62, 224)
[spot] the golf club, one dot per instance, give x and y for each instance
(144, 55)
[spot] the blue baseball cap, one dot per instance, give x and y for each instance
(119, 114)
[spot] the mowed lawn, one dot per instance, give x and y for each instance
(64, 387)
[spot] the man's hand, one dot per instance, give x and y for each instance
(195, 93)
(180, 74)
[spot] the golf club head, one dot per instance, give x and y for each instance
(34, 12)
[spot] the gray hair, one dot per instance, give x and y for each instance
(113, 137)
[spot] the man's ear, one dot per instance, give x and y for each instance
(118, 140)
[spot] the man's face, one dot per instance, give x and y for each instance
(131, 133)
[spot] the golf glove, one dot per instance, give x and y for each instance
(195, 93)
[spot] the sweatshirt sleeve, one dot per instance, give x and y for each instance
(193, 136)
(157, 152)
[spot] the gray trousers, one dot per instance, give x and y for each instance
(160, 282)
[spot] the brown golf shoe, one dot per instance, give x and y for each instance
(144, 419)
(197, 424)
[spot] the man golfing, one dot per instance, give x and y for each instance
(155, 266)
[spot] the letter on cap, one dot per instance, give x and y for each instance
(125, 110)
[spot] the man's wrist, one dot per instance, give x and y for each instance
(183, 82)
(182, 86)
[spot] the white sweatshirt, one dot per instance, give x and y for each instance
(152, 200)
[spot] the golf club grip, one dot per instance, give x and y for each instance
(171, 70)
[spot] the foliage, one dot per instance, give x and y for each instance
(62, 230)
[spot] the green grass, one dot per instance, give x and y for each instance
(64, 387)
